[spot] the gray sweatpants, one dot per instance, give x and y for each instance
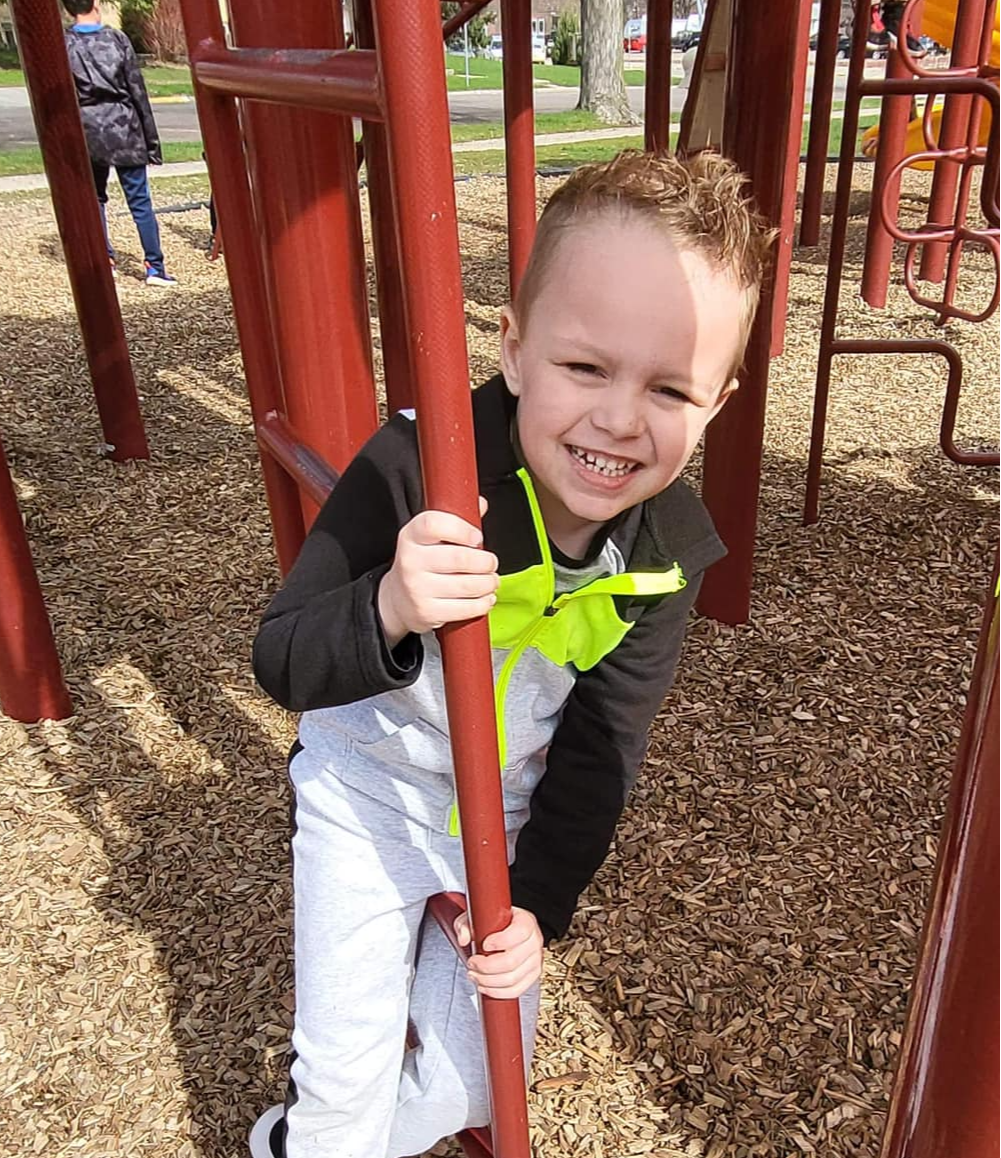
(365, 962)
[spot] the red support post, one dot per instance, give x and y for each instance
(953, 131)
(67, 167)
(385, 243)
(945, 1098)
(422, 174)
(761, 96)
(519, 135)
(31, 680)
(307, 209)
(828, 35)
(787, 224)
(657, 102)
(893, 120)
(223, 137)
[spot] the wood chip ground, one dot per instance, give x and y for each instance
(736, 979)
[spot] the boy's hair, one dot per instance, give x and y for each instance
(79, 7)
(699, 202)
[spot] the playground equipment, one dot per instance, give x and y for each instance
(284, 174)
(905, 79)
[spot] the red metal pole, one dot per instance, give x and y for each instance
(422, 174)
(945, 1098)
(953, 129)
(893, 119)
(385, 243)
(67, 167)
(657, 105)
(31, 680)
(764, 72)
(223, 138)
(305, 184)
(783, 251)
(828, 35)
(519, 135)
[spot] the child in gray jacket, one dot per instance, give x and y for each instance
(118, 124)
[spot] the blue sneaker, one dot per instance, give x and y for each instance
(159, 277)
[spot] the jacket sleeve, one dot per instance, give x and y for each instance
(136, 87)
(320, 642)
(592, 764)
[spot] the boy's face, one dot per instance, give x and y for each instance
(623, 359)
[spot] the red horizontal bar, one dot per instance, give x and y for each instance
(335, 80)
(310, 471)
(445, 907)
(466, 13)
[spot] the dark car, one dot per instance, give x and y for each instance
(844, 45)
(685, 40)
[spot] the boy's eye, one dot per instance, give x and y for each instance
(582, 368)
(671, 392)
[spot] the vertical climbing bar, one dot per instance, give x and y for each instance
(31, 680)
(824, 63)
(422, 178)
(657, 103)
(953, 130)
(893, 118)
(223, 138)
(945, 1098)
(67, 167)
(385, 243)
(305, 184)
(787, 224)
(519, 135)
(762, 78)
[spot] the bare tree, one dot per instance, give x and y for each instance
(602, 87)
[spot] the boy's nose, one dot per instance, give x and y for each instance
(618, 416)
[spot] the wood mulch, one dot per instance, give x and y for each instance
(736, 979)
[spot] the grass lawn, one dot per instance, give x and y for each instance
(490, 73)
(28, 159)
(161, 80)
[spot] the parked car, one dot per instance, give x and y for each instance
(634, 35)
(686, 40)
(844, 45)
(495, 49)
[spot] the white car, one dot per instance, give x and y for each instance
(495, 49)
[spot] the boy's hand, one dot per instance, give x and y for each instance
(440, 575)
(511, 960)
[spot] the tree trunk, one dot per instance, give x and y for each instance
(602, 88)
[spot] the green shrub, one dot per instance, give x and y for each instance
(566, 39)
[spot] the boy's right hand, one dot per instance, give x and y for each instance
(440, 575)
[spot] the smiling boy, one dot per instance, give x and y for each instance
(622, 345)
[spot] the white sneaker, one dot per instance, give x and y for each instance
(159, 276)
(261, 1135)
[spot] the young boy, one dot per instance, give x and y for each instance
(118, 124)
(623, 343)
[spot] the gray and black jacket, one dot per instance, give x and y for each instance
(579, 676)
(117, 118)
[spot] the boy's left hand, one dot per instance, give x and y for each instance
(510, 961)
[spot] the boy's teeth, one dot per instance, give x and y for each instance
(610, 467)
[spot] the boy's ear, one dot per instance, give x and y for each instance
(510, 349)
(728, 391)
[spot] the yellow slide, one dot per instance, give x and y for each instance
(938, 20)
